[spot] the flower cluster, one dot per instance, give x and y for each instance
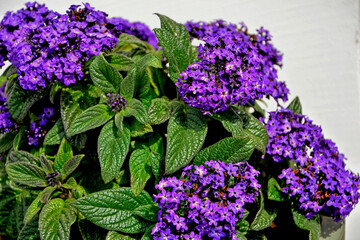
(6, 122)
(116, 102)
(208, 200)
(235, 68)
(46, 46)
(319, 182)
(52, 178)
(40, 127)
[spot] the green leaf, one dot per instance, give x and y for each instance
(119, 61)
(64, 153)
(70, 184)
(70, 165)
(117, 236)
(140, 169)
(55, 220)
(10, 70)
(275, 191)
(156, 144)
(55, 134)
(136, 108)
(104, 76)
(118, 120)
(90, 231)
(45, 164)
(91, 118)
(159, 111)
(26, 173)
(148, 212)
(231, 149)
(33, 209)
(18, 140)
(139, 129)
(31, 230)
(313, 225)
(264, 217)
(157, 165)
(147, 235)
(113, 209)
(187, 129)
(20, 101)
(73, 102)
(6, 141)
(113, 146)
(295, 106)
(46, 194)
(126, 39)
(21, 156)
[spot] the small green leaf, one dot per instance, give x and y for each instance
(55, 134)
(117, 236)
(70, 184)
(275, 191)
(64, 153)
(55, 220)
(136, 108)
(147, 235)
(45, 164)
(119, 61)
(104, 76)
(157, 165)
(159, 111)
(113, 209)
(46, 194)
(295, 106)
(18, 140)
(126, 39)
(148, 212)
(6, 141)
(26, 173)
(138, 129)
(118, 120)
(33, 209)
(231, 149)
(21, 156)
(264, 217)
(140, 169)
(313, 225)
(70, 165)
(156, 144)
(113, 146)
(91, 118)
(187, 129)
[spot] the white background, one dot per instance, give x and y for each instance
(320, 42)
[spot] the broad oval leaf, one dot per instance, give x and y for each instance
(91, 118)
(140, 169)
(26, 173)
(231, 149)
(159, 111)
(55, 220)
(22, 156)
(6, 141)
(148, 212)
(113, 209)
(136, 109)
(113, 146)
(187, 129)
(119, 61)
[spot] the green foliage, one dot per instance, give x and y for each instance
(313, 225)
(295, 105)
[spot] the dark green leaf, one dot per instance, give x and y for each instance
(231, 149)
(126, 39)
(18, 140)
(21, 156)
(275, 191)
(70, 165)
(33, 209)
(55, 134)
(295, 106)
(90, 231)
(26, 173)
(139, 129)
(159, 111)
(140, 169)
(91, 118)
(113, 146)
(148, 212)
(119, 118)
(104, 76)
(264, 217)
(113, 209)
(45, 164)
(119, 61)
(6, 141)
(117, 236)
(64, 153)
(55, 220)
(46, 194)
(187, 129)
(136, 108)
(157, 165)
(10, 70)
(147, 235)
(31, 230)
(313, 225)
(156, 144)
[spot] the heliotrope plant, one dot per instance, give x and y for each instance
(111, 131)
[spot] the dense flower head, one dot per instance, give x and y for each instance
(234, 68)
(116, 102)
(319, 182)
(52, 178)
(46, 46)
(41, 126)
(208, 200)
(6, 122)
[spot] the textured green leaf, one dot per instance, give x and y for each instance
(45, 164)
(33, 209)
(55, 134)
(70, 165)
(313, 225)
(148, 212)
(264, 217)
(10, 70)
(64, 154)
(187, 129)
(21, 156)
(139, 129)
(157, 165)
(31, 230)
(136, 108)
(118, 120)
(119, 61)
(295, 105)
(20, 101)
(159, 111)
(6, 141)
(70, 184)
(26, 173)
(104, 76)
(117, 236)
(140, 169)
(275, 191)
(231, 149)
(113, 146)
(91, 118)
(156, 144)
(55, 220)
(126, 39)
(113, 209)
(46, 194)
(18, 140)
(147, 235)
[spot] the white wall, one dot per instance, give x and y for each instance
(320, 42)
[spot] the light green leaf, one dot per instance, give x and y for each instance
(55, 134)
(70, 184)
(117, 236)
(148, 212)
(136, 108)
(187, 129)
(45, 164)
(33, 209)
(26, 173)
(119, 61)
(46, 194)
(140, 169)
(64, 153)
(313, 225)
(21, 156)
(275, 191)
(113, 146)
(138, 129)
(159, 111)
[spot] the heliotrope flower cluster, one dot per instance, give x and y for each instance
(207, 201)
(319, 182)
(116, 102)
(46, 46)
(235, 68)
(6, 122)
(40, 127)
